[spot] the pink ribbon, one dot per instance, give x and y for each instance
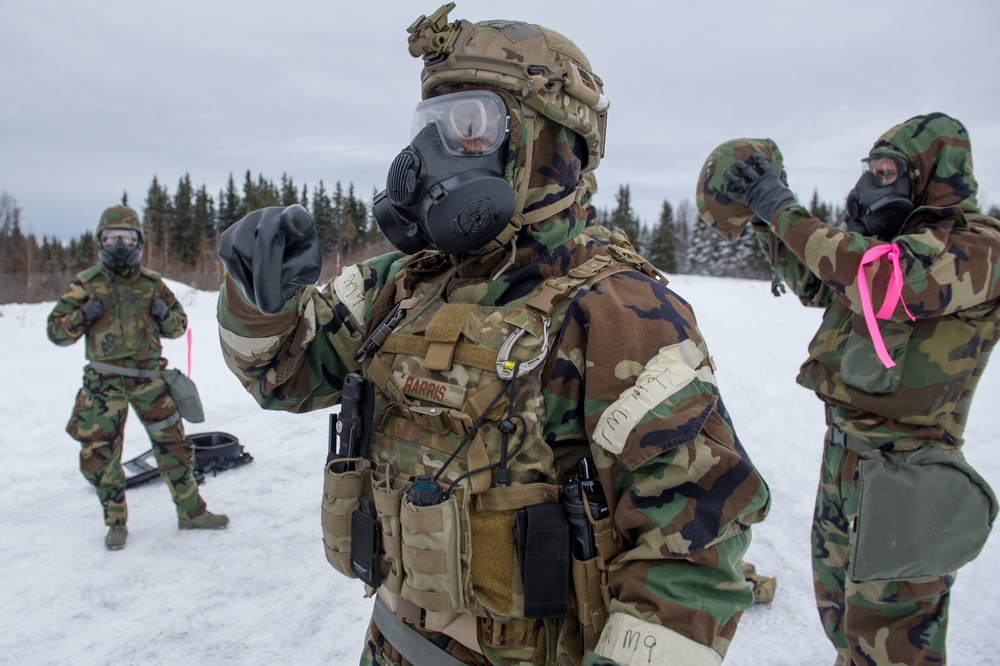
(893, 295)
(189, 351)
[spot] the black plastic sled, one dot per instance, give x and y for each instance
(213, 452)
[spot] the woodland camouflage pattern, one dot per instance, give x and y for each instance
(127, 335)
(646, 407)
(727, 216)
(949, 256)
(681, 488)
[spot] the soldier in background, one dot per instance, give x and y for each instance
(503, 385)
(123, 310)
(902, 387)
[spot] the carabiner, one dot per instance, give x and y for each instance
(505, 367)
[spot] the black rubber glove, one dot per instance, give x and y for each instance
(270, 253)
(158, 308)
(91, 309)
(755, 185)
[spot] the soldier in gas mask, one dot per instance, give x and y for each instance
(513, 366)
(123, 309)
(898, 509)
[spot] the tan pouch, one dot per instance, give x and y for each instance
(341, 494)
(431, 555)
(388, 491)
(589, 614)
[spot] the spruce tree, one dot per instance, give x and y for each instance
(184, 234)
(624, 218)
(155, 224)
(322, 214)
(338, 206)
(820, 210)
(231, 207)
(289, 195)
(663, 244)
(352, 219)
(204, 217)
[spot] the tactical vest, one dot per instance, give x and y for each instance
(127, 328)
(450, 382)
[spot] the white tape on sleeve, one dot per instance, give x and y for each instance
(630, 641)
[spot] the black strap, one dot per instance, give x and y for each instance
(412, 646)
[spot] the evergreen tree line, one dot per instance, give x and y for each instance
(678, 243)
(182, 233)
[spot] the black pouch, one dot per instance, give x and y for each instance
(541, 539)
(366, 543)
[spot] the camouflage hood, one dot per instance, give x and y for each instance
(938, 156)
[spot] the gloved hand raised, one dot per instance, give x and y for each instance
(91, 309)
(158, 308)
(755, 185)
(270, 253)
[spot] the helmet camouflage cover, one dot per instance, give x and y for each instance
(541, 68)
(715, 208)
(120, 217)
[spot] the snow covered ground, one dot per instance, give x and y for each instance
(261, 592)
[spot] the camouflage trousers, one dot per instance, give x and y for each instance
(98, 423)
(871, 623)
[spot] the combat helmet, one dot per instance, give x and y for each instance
(120, 256)
(120, 217)
(540, 68)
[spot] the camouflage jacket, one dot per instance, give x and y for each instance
(127, 333)
(949, 256)
(950, 273)
(681, 489)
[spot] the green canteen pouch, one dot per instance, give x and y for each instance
(342, 492)
(921, 513)
(185, 395)
(431, 555)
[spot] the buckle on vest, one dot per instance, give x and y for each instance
(441, 421)
(505, 367)
(518, 632)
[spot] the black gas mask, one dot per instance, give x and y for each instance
(119, 248)
(880, 203)
(446, 190)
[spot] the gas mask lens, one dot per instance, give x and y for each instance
(473, 122)
(885, 169)
(128, 236)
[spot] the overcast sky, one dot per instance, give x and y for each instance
(97, 98)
